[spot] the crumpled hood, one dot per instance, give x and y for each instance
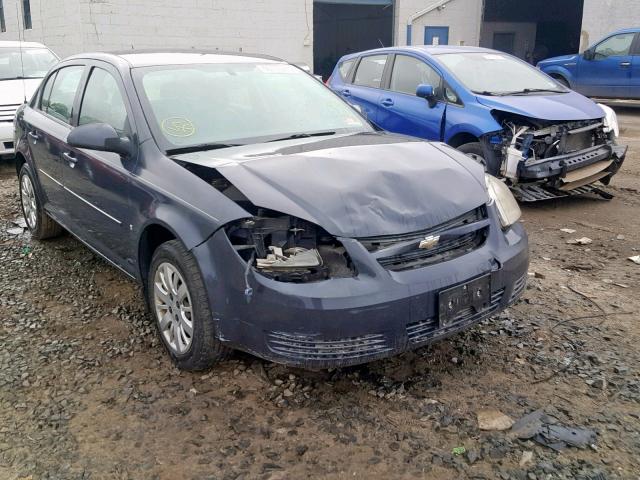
(356, 185)
(556, 106)
(14, 92)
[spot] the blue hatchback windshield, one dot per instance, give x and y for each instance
(496, 73)
(238, 103)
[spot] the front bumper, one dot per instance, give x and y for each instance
(574, 170)
(6, 138)
(347, 321)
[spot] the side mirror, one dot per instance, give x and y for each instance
(428, 93)
(101, 137)
(589, 54)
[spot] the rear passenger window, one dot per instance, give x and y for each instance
(409, 72)
(345, 68)
(370, 71)
(103, 103)
(59, 103)
(46, 92)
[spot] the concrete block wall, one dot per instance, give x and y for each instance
(463, 17)
(601, 17)
(283, 28)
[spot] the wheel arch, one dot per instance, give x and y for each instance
(19, 162)
(151, 237)
(461, 138)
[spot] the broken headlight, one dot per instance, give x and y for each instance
(289, 249)
(508, 209)
(610, 120)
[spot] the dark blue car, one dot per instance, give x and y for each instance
(544, 139)
(608, 69)
(261, 212)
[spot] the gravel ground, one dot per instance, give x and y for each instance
(87, 392)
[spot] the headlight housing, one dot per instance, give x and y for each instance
(610, 120)
(289, 249)
(508, 208)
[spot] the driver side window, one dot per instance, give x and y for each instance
(409, 72)
(103, 102)
(615, 46)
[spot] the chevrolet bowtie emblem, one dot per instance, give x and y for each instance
(429, 242)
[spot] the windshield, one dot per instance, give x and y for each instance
(203, 105)
(32, 63)
(492, 73)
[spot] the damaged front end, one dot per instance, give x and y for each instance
(280, 246)
(549, 159)
(289, 249)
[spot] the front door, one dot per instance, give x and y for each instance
(608, 73)
(401, 111)
(436, 35)
(97, 182)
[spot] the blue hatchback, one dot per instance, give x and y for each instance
(608, 69)
(544, 139)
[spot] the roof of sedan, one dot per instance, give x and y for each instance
(148, 58)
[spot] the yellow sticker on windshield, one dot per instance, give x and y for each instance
(178, 127)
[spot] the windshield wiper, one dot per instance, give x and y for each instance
(486, 93)
(303, 135)
(526, 91)
(19, 78)
(201, 148)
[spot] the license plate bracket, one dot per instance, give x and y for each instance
(474, 296)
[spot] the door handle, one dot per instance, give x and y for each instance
(70, 158)
(625, 64)
(34, 135)
(346, 93)
(387, 102)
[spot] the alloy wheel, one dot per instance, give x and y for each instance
(28, 199)
(174, 310)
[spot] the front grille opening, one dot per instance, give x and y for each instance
(8, 145)
(445, 250)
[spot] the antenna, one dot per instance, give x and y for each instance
(21, 39)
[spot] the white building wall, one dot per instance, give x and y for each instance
(601, 17)
(463, 17)
(283, 28)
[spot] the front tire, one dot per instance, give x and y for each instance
(178, 301)
(475, 151)
(39, 223)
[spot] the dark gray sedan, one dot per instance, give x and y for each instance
(261, 212)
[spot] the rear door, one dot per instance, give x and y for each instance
(97, 183)
(48, 122)
(400, 110)
(367, 81)
(608, 74)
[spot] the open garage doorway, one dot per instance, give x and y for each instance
(346, 26)
(532, 29)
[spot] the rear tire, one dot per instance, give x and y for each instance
(178, 301)
(39, 223)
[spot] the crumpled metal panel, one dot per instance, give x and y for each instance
(355, 185)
